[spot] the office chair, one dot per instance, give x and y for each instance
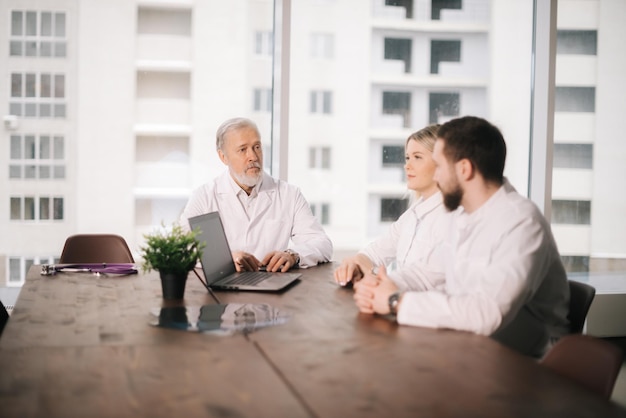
(581, 295)
(96, 248)
(4, 317)
(589, 361)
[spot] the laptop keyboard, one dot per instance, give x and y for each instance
(248, 278)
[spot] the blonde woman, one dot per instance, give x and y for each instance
(414, 237)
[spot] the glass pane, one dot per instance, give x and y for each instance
(60, 49)
(59, 110)
(31, 24)
(29, 208)
(29, 147)
(31, 85)
(44, 147)
(31, 48)
(46, 24)
(44, 208)
(15, 171)
(59, 171)
(45, 49)
(30, 172)
(15, 109)
(16, 147)
(30, 110)
(59, 25)
(46, 85)
(59, 85)
(17, 23)
(58, 208)
(15, 272)
(59, 148)
(45, 110)
(16, 48)
(587, 210)
(44, 171)
(16, 85)
(16, 208)
(28, 263)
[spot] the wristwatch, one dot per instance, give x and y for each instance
(295, 255)
(394, 301)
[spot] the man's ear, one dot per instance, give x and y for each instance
(222, 156)
(465, 169)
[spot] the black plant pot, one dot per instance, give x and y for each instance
(173, 285)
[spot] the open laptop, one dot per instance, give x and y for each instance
(218, 265)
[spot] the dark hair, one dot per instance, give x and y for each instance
(478, 141)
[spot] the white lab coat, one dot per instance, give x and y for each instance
(504, 277)
(280, 219)
(415, 237)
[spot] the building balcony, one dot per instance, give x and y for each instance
(585, 73)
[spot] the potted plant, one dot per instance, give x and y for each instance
(173, 253)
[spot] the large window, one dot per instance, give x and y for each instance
(37, 157)
(121, 138)
(37, 34)
(38, 95)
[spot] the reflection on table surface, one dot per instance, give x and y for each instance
(223, 319)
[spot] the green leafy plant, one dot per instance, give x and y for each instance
(175, 251)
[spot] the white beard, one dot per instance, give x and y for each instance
(248, 181)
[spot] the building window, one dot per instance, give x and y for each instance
(19, 266)
(321, 102)
(399, 49)
(573, 156)
(571, 212)
(30, 208)
(37, 34)
(264, 43)
(262, 101)
(407, 4)
(443, 51)
(398, 103)
(37, 95)
(322, 212)
(443, 106)
(319, 157)
(439, 5)
(322, 45)
(393, 156)
(37, 157)
(577, 42)
(391, 209)
(575, 99)
(575, 263)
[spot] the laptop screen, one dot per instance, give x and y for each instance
(217, 260)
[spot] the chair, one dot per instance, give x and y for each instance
(96, 248)
(581, 295)
(4, 317)
(589, 361)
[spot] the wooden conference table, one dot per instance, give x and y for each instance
(78, 345)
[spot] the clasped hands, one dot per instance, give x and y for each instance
(275, 261)
(371, 289)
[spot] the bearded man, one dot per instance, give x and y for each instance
(268, 222)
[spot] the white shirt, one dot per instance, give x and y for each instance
(275, 217)
(415, 237)
(504, 277)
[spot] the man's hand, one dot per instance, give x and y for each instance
(280, 261)
(371, 294)
(245, 261)
(351, 269)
